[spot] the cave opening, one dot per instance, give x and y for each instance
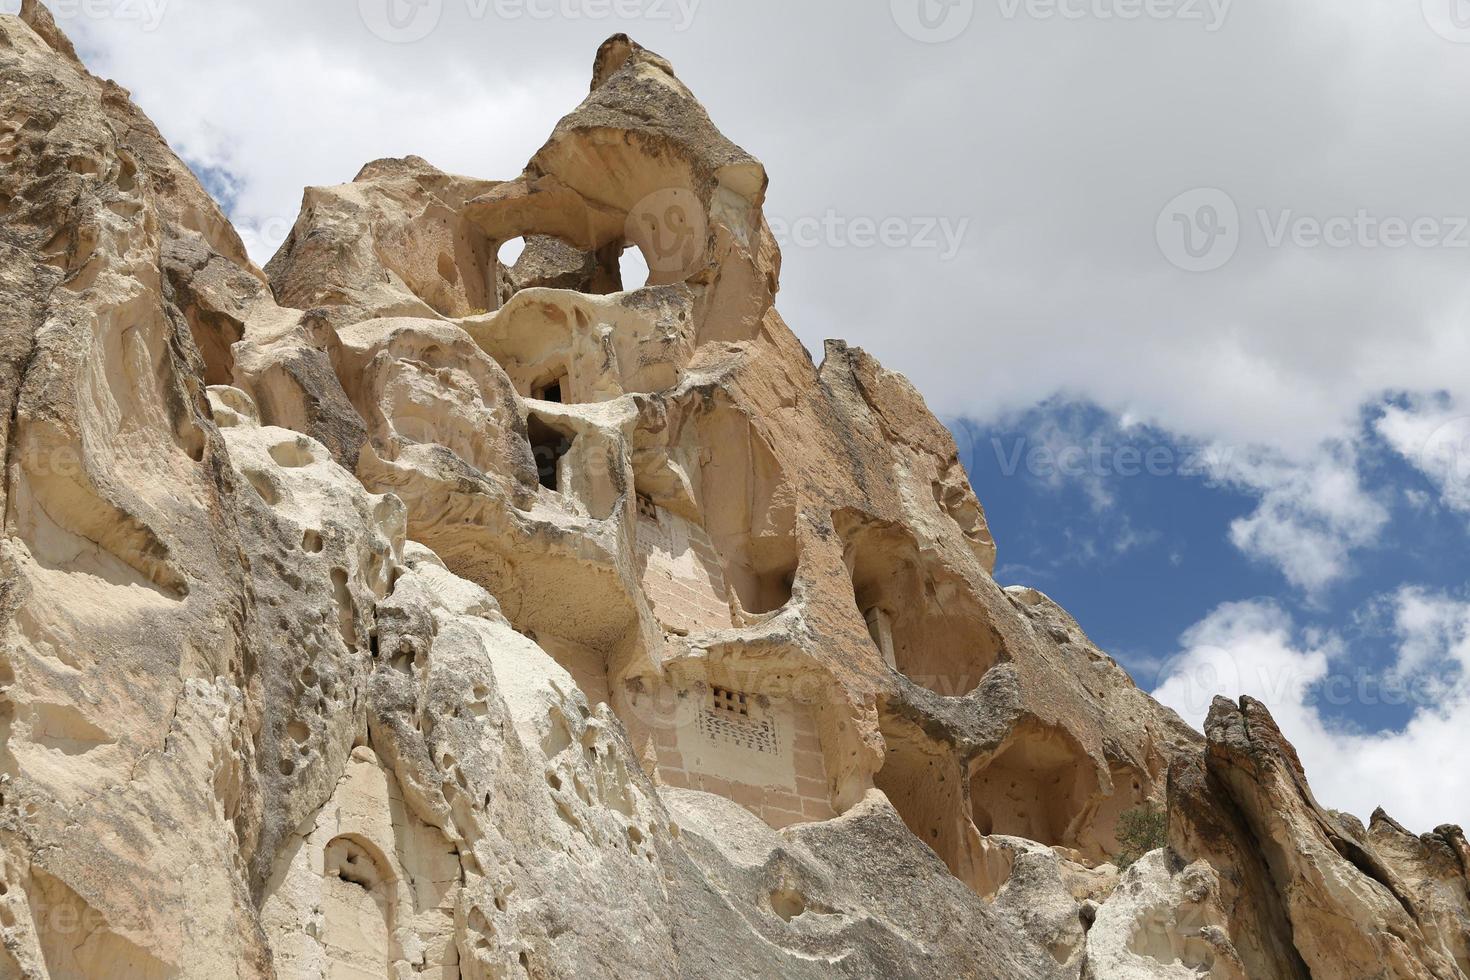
(548, 445)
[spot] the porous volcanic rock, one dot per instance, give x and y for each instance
(393, 612)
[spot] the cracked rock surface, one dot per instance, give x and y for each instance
(393, 612)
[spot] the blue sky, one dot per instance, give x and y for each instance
(1130, 530)
(1140, 556)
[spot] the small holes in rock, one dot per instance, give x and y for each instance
(553, 780)
(403, 658)
(787, 903)
(261, 484)
(292, 454)
(311, 542)
(288, 766)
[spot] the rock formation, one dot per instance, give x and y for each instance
(392, 612)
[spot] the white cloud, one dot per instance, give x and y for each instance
(1415, 772)
(282, 95)
(1433, 434)
(1054, 139)
(1313, 510)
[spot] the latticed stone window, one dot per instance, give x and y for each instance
(647, 508)
(735, 719)
(730, 702)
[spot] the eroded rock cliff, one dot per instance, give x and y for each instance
(392, 611)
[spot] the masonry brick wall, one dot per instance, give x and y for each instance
(782, 788)
(681, 573)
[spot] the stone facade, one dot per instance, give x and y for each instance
(680, 572)
(763, 754)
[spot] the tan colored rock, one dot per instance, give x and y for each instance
(415, 615)
(1325, 869)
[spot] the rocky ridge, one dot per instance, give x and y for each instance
(394, 611)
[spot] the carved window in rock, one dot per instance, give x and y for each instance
(734, 718)
(548, 446)
(553, 390)
(357, 910)
(730, 702)
(937, 623)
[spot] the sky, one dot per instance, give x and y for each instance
(1187, 278)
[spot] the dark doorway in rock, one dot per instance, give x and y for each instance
(548, 446)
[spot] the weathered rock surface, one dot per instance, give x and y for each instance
(394, 612)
